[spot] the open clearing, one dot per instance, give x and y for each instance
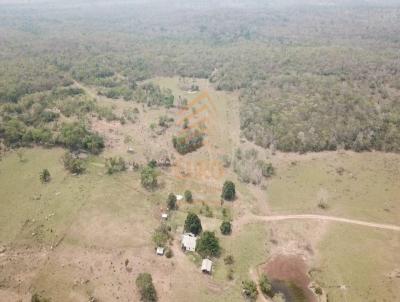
(69, 239)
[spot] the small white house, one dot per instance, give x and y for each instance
(189, 242)
(179, 197)
(206, 266)
(160, 251)
(164, 216)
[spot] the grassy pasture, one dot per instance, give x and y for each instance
(354, 185)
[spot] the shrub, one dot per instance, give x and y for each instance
(193, 224)
(171, 201)
(188, 196)
(169, 253)
(228, 190)
(229, 260)
(267, 169)
(45, 176)
(265, 286)
(226, 228)
(144, 283)
(148, 178)
(249, 290)
(73, 164)
(208, 245)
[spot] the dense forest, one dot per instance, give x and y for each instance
(310, 77)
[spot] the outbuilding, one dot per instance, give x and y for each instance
(189, 242)
(160, 251)
(164, 216)
(206, 266)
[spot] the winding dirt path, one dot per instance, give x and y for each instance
(254, 218)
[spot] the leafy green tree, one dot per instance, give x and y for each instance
(45, 176)
(148, 178)
(249, 290)
(171, 201)
(208, 245)
(265, 286)
(188, 196)
(144, 283)
(193, 224)
(228, 190)
(226, 227)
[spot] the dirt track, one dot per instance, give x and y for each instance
(254, 218)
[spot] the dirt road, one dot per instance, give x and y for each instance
(254, 218)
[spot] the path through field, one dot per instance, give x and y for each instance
(250, 218)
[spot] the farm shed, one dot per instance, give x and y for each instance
(189, 242)
(206, 266)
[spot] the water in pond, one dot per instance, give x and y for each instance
(289, 275)
(291, 292)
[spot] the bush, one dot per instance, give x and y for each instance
(226, 228)
(171, 201)
(265, 286)
(189, 141)
(188, 196)
(144, 283)
(169, 253)
(267, 169)
(73, 164)
(38, 298)
(228, 190)
(115, 164)
(45, 176)
(193, 224)
(208, 245)
(148, 178)
(249, 290)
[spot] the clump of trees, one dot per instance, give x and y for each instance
(208, 245)
(73, 163)
(189, 141)
(145, 286)
(249, 168)
(193, 224)
(148, 178)
(76, 136)
(228, 190)
(115, 165)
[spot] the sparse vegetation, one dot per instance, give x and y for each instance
(144, 283)
(148, 178)
(249, 290)
(115, 165)
(265, 286)
(73, 163)
(162, 235)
